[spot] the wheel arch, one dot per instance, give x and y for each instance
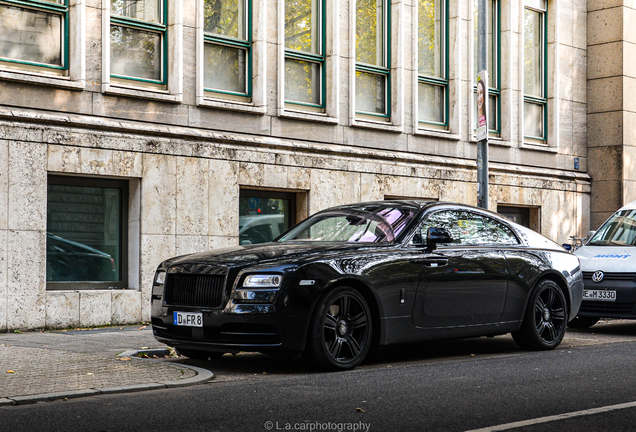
(562, 284)
(368, 295)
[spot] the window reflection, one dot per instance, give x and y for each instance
(30, 35)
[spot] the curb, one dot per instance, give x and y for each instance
(202, 376)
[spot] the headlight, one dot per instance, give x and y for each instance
(262, 281)
(160, 277)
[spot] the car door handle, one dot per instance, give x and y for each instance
(430, 262)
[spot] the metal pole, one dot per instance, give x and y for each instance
(482, 145)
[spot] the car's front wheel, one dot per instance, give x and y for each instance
(582, 322)
(545, 320)
(340, 330)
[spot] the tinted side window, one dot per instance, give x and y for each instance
(468, 228)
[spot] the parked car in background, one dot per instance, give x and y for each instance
(70, 261)
(361, 275)
(260, 228)
(608, 261)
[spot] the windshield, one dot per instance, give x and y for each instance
(619, 230)
(372, 224)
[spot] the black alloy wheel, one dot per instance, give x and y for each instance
(582, 322)
(340, 330)
(545, 320)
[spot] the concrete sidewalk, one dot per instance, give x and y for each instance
(52, 365)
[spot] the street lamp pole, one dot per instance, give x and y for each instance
(482, 145)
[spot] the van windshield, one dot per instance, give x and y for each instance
(619, 230)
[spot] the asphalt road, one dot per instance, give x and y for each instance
(437, 386)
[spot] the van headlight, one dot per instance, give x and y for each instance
(262, 281)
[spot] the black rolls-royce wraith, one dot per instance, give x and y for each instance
(361, 275)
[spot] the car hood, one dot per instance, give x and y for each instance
(613, 259)
(241, 256)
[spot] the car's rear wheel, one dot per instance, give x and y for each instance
(340, 330)
(545, 320)
(200, 355)
(582, 322)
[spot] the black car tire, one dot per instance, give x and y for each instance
(545, 319)
(582, 322)
(340, 330)
(200, 355)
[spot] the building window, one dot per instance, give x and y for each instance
(138, 41)
(526, 216)
(373, 59)
(87, 242)
(264, 215)
(534, 69)
(34, 35)
(227, 37)
(305, 54)
(432, 49)
(493, 63)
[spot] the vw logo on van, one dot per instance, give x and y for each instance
(598, 276)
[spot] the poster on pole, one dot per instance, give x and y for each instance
(482, 105)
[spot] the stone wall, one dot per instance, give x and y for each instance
(184, 198)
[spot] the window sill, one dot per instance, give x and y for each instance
(315, 117)
(160, 95)
(538, 147)
(492, 141)
(436, 133)
(377, 125)
(46, 80)
(230, 105)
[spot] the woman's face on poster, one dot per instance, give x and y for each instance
(480, 96)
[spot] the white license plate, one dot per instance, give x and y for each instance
(190, 319)
(602, 295)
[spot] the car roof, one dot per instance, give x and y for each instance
(630, 206)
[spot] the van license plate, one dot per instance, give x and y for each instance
(602, 295)
(190, 319)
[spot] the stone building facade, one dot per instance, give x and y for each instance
(345, 106)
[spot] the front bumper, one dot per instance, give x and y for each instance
(625, 305)
(254, 327)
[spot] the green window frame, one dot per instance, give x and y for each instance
(373, 58)
(126, 20)
(493, 62)
(11, 11)
(535, 63)
(432, 78)
(227, 40)
(305, 41)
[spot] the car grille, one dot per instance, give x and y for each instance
(612, 276)
(199, 290)
(610, 308)
(228, 334)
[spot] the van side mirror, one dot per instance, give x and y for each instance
(435, 235)
(589, 235)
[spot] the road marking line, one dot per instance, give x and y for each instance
(557, 417)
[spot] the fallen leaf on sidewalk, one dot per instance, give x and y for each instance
(10, 371)
(124, 358)
(141, 328)
(90, 373)
(360, 410)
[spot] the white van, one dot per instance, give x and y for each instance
(608, 261)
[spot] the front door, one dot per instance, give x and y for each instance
(463, 283)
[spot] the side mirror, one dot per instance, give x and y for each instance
(589, 235)
(435, 235)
